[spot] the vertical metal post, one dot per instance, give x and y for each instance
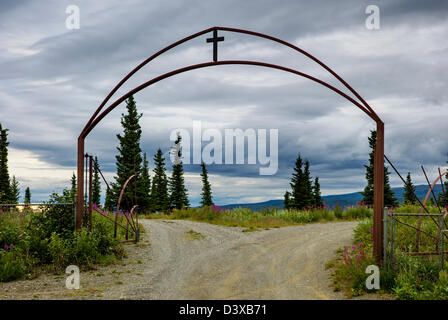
(441, 240)
(86, 186)
(90, 191)
(386, 240)
(378, 192)
(442, 253)
(80, 182)
(392, 239)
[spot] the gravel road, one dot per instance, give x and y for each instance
(192, 260)
(226, 263)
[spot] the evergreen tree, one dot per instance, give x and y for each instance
(178, 192)
(73, 189)
(5, 187)
(27, 195)
(409, 191)
(129, 159)
(144, 193)
(287, 200)
(308, 187)
(206, 188)
(316, 194)
(15, 191)
(389, 199)
(445, 195)
(159, 189)
(108, 201)
(96, 184)
(298, 200)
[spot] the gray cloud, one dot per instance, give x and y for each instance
(52, 79)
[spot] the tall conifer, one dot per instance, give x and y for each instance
(389, 199)
(129, 159)
(96, 184)
(206, 188)
(317, 199)
(144, 193)
(5, 186)
(27, 195)
(178, 191)
(298, 200)
(15, 191)
(409, 190)
(159, 189)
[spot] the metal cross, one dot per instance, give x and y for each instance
(215, 41)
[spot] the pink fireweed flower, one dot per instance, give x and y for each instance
(360, 244)
(5, 247)
(353, 248)
(371, 230)
(11, 246)
(396, 268)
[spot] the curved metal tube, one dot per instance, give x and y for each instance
(424, 204)
(118, 204)
(374, 116)
(210, 64)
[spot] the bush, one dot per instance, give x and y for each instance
(56, 216)
(59, 252)
(12, 265)
(338, 211)
(83, 249)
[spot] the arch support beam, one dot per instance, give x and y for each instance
(378, 192)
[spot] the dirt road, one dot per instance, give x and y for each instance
(191, 260)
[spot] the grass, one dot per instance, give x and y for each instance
(405, 277)
(266, 219)
(38, 241)
(193, 235)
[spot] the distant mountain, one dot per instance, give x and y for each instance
(348, 199)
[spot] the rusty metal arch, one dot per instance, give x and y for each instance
(364, 106)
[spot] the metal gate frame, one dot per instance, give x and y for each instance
(362, 104)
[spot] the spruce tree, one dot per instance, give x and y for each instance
(15, 191)
(159, 189)
(108, 201)
(307, 185)
(287, 200)
(96, 185)
(445, 195)
(389, 199)
(144, 193)
(5, 187)
(73, 189)
(206, 188)
(316, 194)
(27, 195)
(178, 191)
(129, 159)
(409, 191)
(298, 200)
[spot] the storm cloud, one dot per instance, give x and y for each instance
(52, 79)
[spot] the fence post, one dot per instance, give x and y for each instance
(385, 235)
(392, 238)
(442, 253)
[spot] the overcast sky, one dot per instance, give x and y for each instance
(52, 79)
